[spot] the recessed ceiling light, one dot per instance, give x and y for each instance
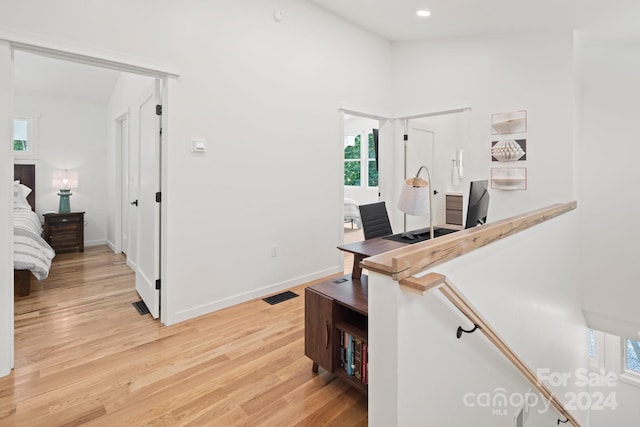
(423, 13)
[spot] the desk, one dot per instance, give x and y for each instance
(367, 248)
(371, 247)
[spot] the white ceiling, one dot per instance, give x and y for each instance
(37, 75)
(396, 20)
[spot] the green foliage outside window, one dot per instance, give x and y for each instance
(352, 168)
(372, 149)
(373, 173)
(19, 145)
(352, 164)
(353, 151)
(352, 173)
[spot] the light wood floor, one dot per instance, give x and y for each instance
(84, 356)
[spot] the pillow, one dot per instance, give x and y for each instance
(20, 193)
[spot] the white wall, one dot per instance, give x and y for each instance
(520, 286)
(71, 135)
(607, 177)
(496, 74)
(6, 212)
(606, 181)
(264, 95)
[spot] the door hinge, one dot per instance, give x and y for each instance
(161, 131)
(158, 110)
(158, 197)
(157, 283)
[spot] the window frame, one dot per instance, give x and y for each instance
(353, 134)
(364, 158)
(610, 354)
(32, 151)
(626, 374)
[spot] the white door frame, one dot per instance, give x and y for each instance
(382, 136)
(410, 173)
(122, 172)
(6, 114)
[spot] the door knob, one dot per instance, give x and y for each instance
(435, 192)
(135, 202)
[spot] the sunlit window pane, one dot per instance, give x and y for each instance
(20, 134)
(633, 356)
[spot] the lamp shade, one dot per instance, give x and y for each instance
(65, 179)
(414, 197)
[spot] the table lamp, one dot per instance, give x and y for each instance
(65, 180)
(415, 197)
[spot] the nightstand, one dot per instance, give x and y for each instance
(64, 231)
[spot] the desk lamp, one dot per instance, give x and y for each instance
(65, 180)
(415, 197)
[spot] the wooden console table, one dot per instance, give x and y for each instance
(333, 309)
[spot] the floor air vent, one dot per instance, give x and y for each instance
(141, 307)
(275, 299)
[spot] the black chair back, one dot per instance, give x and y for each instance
(375, 220)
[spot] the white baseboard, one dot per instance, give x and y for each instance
(100, 242)
(132, 265)
(111, 245)
(210, 307)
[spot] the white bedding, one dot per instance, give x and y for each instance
(351, 212)
(30, 251)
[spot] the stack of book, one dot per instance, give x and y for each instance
(354, 356)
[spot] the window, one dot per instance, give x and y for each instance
(25, 142)
(632, 356)
(352, 167)
(373, 168)
(360, 161)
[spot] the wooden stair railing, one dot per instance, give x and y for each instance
(401, 264)
(411, 259)
(433, 281)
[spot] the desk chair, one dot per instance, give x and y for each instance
(375, 220)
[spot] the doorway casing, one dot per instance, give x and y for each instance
(7, 47)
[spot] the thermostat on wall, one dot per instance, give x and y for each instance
(198, 145)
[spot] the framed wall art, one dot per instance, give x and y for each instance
(509, 178)
(506, 123)
(509, 150)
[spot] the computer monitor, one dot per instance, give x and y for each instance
(478, 204)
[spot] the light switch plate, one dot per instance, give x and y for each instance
(198, 145)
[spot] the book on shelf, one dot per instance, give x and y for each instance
(365, 362)
(358, 359)
(349, 358)
(354, 356)
(342, 349)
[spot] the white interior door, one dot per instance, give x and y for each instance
(419, 151)
(148, 230)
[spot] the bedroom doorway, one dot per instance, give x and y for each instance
(364, 155)
(9, 50)
(90, 85)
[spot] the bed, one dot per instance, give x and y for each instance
(351, 212)
(31, 254)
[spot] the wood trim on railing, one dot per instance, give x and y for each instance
(435, 280)
(411, 259)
